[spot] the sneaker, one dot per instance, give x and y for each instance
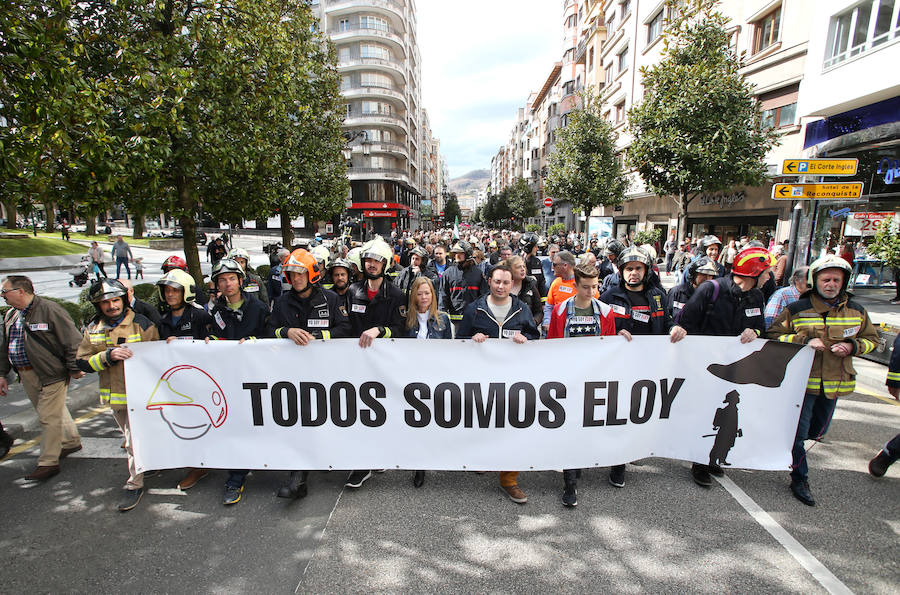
(296, 487)
(357, 478)
(716, 470)
(700, 474)
(879, 465)
(570, 495)
(800, 488)
(130, 499)
(617, 476)
(232, 495)
(895, 301)
(515, 494)
(191, 479)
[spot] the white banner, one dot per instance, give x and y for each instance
(460, 405)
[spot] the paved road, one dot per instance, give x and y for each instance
(459, 533)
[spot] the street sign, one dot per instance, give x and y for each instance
(842, 190)
(548, 202)
(819, 167)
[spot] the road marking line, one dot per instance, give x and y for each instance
(29, 444)
(166, 492)
(318, 541)
(824, 576)
(869, 393)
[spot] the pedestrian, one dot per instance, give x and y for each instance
(236, 317)
(670, 247)
(780, 265)
(728, 255)
(121, 253)
(699, 271)
(786, 295)
(528, 246)
(139, 268)
(253, 284)
(97, 258)
(499, 315)
(183, 318)
(39, 341)
(547, 266)
(139, 305)
(525, 287)
(417, 257)
(563, 286)
(730, 306)
(377, 310)
(886, 457)
(274, 282)
(462, 284)
(638, 308)
(683, 257)
(103, 346)
(829, 320)
(608, 266)
(425, 321)
(64, 228)
(437, 264)
(580, 316)
(305, 313)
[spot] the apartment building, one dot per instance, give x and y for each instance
(392, 167)
(850, 95)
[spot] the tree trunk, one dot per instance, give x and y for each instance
(682, 218)
(90, 224)
(51, 215)
(189, 227)
(10, 204)
(287, 232)
(138, 220)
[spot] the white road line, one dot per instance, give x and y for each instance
(321, 537)
(831, 583)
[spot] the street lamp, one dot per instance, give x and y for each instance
(350, 137)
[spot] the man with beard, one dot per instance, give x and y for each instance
(462, 284)
(341, 271)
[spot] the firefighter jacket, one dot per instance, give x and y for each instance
(386, 311)
(676, 299)
(719, 308)
(478, 318)
(810, 317)
(322, 314)
(893, 376)
(195, 323)
(99, 339)
(459, 288)
(625, 314)
(246, 322)
(535, 268)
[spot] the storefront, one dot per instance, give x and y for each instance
(381, 207)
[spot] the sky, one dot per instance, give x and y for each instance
(480, 60)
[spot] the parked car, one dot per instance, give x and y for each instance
(201, 236)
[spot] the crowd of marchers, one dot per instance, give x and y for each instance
(484, 285)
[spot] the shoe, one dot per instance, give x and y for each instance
(716, 470)
(42, 473)
(130, 499)
(701, 476)
(895, 301)
(800, 488)
(570, 494)
(419, 479)
(232, 495)
(357, 478)
(191, 479)
(617, 476)
(295, 488)
(6, 442)
(515, 494)
(67, 451)
(879, 465)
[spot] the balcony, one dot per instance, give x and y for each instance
(382, 147)
(581, 50)
(360, 120)
(389, 8)
(359, 92)
(378, 173)
(380, 64)
(356, 33)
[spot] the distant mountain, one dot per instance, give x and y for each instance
(474, 180)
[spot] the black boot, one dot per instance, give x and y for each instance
(419, 479)
(295, 488)
(6, 442)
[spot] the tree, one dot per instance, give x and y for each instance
(497, 208)
(451, 209)
(521, 200)
(698, 128)
(584, 169)
(886, 245)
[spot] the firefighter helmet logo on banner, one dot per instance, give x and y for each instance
(190, 413)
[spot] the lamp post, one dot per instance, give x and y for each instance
(347, 151)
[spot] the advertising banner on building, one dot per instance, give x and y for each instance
(461, 405)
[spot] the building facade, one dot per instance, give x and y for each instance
(393, 167)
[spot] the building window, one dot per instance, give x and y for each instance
(610, 26)
(767, 30)
(344, 54)
(569, 88)
(626, 8)
(590, 59)
(608, 76)
(861, 29)
(344, 25)
(374, 51)
(375, 79)
(655, 27)
(623, 60)
(370, 22)
(569, 56)
(620, 112)
(345, 82)
(779, 108)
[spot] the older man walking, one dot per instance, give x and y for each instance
(40, 341)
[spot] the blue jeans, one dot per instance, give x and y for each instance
(236, 478)
(815, 417)
(669, 258)
(119, 263)
(893, 448)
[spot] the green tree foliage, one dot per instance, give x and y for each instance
(886, 245)
(647, 236)
(497, 208)
(533, 227)
(451, 209)
(584, 169)
(557, 229)
(521, 200)
(698, 128)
